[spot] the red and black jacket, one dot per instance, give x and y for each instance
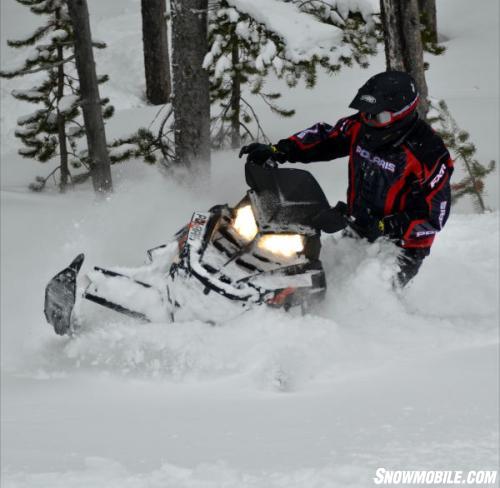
(410, 177)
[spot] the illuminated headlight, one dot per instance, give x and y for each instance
(285, 244)
(244, 223)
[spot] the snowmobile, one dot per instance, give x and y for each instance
(263, 251)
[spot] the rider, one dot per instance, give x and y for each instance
(399, 168)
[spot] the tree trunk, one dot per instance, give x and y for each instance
(191, 98)
(61, 124)
(427, 9)
(390, 14)
(413, 50)
(61, 132)
(155, 46)
(235, 96)
(403, 43)
(90, 99)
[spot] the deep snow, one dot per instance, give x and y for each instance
(372, 379)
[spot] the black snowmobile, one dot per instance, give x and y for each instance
(263, 251)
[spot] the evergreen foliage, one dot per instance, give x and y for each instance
(54, 128)
(458, 142)
(153, 146)
(429, 41)
(245, 51)
(360, 31)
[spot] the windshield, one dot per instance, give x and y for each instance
(287, 195)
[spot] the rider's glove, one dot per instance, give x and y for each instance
(332, 219)
(260, 153)
(394, 226)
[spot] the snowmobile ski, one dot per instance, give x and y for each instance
(60, 297)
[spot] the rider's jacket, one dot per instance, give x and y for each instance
(411, 176)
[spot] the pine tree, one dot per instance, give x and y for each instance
(53, 130)
(244, 50)
(458, 142)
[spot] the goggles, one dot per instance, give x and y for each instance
(382, 119)
(385, 118)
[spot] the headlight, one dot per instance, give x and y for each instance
(285, 244)
(244, 223)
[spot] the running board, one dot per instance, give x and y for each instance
(114, 306)
(115, 274)
(124, 294)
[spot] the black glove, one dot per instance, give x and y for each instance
(332, 219)
(394, 226)
(260, 153)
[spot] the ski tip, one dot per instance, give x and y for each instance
(77, 263)
(60, 297)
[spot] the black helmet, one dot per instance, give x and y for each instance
(386, 98)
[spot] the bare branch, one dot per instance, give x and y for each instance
(256, 118)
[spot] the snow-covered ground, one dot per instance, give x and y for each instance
(372, 379)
